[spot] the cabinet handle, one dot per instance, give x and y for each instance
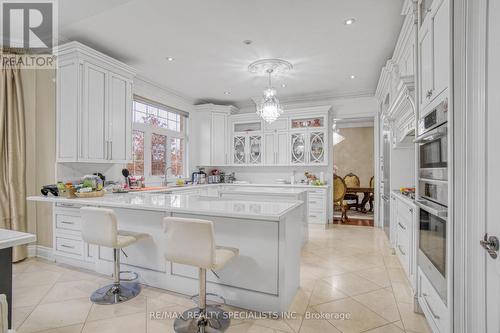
(66, 205)
(429, 306)
(313, 202)
(411, 210)
(111, 150)
(429, 93)
(402, 226)
(65, 222)
(400, 250)
(67, 246)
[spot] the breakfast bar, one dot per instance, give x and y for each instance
(264, 276)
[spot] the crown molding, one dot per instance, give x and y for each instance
(170, 91)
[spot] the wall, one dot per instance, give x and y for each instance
(40, 110)
(355, 153)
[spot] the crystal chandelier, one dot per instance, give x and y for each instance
(269, 108)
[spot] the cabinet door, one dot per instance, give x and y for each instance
(270, 148)
(218, 139)
(255, 149)
(67, 111)
(120, 119)
(282, 151)
(298, 148)
(239, 149)
(441, 38)
(426, 66)
(317, 147)
(94, 122)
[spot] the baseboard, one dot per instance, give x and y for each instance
(40, 251)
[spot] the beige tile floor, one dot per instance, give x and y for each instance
(345, 270)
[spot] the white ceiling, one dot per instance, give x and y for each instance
(205, 38)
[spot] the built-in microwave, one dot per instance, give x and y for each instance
(432, 254)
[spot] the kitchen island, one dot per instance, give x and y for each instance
(269, 234)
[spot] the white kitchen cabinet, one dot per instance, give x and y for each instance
(434, 53)
(93, 134)
(276, 148)
(308, 147)
(247, 143)
(94, 106)
(404, 231)
(213, 134)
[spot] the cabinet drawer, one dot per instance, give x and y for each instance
(316, 204)
(68, 222)
(403, 247)
(405, 211)
(70, 246)
(432, 305)
(318, 192)
(316, 217)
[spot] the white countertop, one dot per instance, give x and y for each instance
(10, 238)
(185, 203)
(271, 186)
(403, 197)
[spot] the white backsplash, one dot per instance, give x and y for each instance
(268, 175)
(73, 171)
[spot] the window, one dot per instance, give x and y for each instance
(158, 141)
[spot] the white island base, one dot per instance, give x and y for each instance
(263, 277)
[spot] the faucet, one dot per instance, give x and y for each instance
(165, 182)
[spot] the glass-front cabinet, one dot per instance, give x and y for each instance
(298, 145)
(317, 147)
(308, 143)
(247, 143)
(239, 150)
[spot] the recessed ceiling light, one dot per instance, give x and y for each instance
(247, 42)
(349, 21)
(353, 76)
(283, 85)
(170, 59)
(227, 93)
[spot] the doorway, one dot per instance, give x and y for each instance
(353, 164)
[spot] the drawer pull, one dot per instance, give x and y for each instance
(66, 222)
(400, 250)
(311, 215)
(430, 308)
(313, 202)
(62, 204)
(67, 246)
(401, 226)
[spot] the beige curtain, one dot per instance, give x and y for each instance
(12, 156)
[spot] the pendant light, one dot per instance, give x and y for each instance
(269, 107)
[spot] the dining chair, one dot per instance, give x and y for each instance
(339, 192)
(372, 195)
(351, 180)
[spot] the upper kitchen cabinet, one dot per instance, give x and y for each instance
(247, 143)
(308, 140)
(214, 134)
(434, 50)
(94, 106)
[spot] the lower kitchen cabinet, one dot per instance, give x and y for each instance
(436, 312)
(404, 234)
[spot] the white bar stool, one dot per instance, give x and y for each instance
(192, 242)
(99, 227)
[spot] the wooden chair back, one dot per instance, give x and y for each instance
(372, 182)
(351, 180)
(339, 189)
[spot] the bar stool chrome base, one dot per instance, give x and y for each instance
(215, 320)
(114, 294)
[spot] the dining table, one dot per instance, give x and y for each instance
(367, 192)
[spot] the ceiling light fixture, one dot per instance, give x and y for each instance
(349, 21)
(353, 77)
(170, 59)
(269, 108)
(227, 93)
(283, 85)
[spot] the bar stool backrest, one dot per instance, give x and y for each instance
(99, 226)
(190, 241)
